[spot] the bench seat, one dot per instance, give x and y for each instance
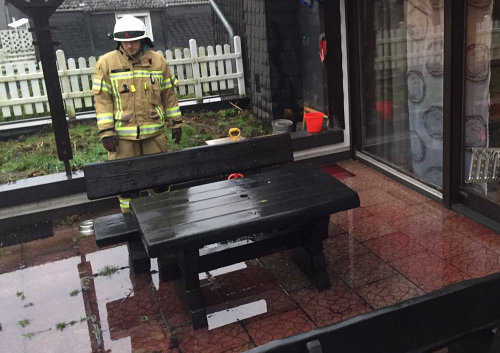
(115, 228)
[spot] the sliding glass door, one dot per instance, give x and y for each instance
(402, 86)
(481, 138)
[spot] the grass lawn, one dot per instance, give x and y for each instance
(37, 155)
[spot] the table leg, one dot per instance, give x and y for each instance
(138, 258)
(309, 257)
(168, 268)
(189, 265)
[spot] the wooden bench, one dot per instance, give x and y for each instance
(461, 316)
(176, 170)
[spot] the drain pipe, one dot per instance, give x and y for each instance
(223, 19)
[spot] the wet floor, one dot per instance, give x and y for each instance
(63, 294)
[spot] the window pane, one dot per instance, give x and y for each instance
(482, 94)
(403, 125)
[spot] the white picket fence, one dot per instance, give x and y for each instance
(200, 71)
(396, 51)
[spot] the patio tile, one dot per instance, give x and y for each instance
(147, 333)
(447, 243)
(374, 197)
(248, 281)
(342, 247)
(281, 266)
(332, 305)
(349, 216)
(418, 225)
(171, 305)
(125, 313)
(367, 227)
(334, 229)
(389, 291)
(477, 263)
(362, 270)
(220, 340)
(394, 246)
(396, 209)
(279, 326)
(488, 238)
(437, 210)
(407, 195)
(465, 226)
(428, 271)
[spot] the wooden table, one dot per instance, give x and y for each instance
(287, 207)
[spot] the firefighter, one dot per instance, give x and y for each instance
(134, 97)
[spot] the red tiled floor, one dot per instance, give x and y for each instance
(389, 291)
(330, 305)
(220, 340)
(372, 197)
(288, 275)
(366, 227)
(447, 243)
(342, 247)
(279, 326)
(418, 225)
(396, 209)
(394, 246)
(477, 263)
(428, 271)
(362, 270)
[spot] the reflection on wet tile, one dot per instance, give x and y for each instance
(342, 247)
(397, 209)
(394, 246)
(331, 305)
(281, 267)
(367, 227)
(465, 226)
(477, 263)
(389, 291)
(374, 197)
(362, 270)
(436, 210)
(429, 271)
(36, 300)
(220, 340)
(237, 313)
(448, 243)
(418, 225)
(406, 195)
(279, 326)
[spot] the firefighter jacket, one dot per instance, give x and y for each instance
(134, 100)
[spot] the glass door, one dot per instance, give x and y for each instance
(402, 123)
(481, 137)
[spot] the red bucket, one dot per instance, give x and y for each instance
(314, 122)
(385, 109)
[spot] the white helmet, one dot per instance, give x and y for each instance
(129, 28)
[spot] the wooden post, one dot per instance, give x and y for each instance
(40, 12)
(239, 66)
(196, 70)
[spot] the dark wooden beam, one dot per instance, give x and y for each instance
(40, 11)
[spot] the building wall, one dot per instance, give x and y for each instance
(86, 34)
(270, 32)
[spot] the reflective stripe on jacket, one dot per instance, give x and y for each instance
(134, 100)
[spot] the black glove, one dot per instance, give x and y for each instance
(110, 143)
(176, 134)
